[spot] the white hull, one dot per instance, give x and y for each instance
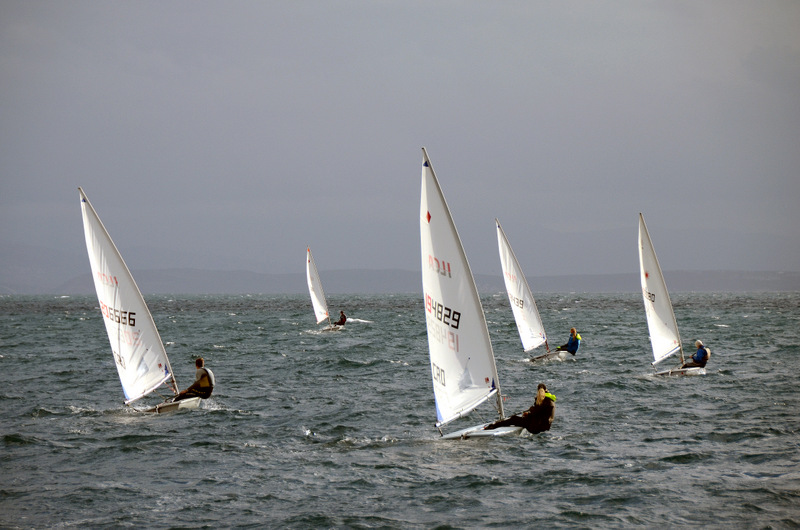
(191, 403)
(560, 355)
(683, 371)
(476, 431)
(332, 327)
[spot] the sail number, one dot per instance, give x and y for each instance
(519, 302)
(447, 316)
(442, 313)
(118, 316)
(650, 296)
(443, 335)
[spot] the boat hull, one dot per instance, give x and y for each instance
(174, 406)
(682, 371)
(560, 355)
(477, 431)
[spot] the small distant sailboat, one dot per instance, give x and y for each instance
(462, 361)
(664, 336)
(526, 315)
(139, 354)
(317, 294)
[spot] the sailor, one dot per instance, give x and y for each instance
(536, 419)
(700, 357)
(203, 384)
(342, 319)
(572, 344)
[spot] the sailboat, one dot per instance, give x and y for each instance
(526, 315)
(317, 294)
(139, 354)
(664, 337)
(463, 368)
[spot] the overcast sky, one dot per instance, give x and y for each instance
(231, 135)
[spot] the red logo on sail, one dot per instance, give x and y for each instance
(440, 266)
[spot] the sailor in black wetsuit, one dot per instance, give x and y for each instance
(203, 384)
(342, 319)
(536, 419)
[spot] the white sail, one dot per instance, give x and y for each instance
(462, 362)
(139, 354)
(315, 289)
(664, 336)
(529, 323)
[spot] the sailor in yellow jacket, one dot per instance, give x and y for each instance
(536, 419)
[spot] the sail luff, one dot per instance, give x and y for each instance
(664, 336)
(458, 336)
(523, 304)
(141, 345)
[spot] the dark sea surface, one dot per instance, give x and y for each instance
(309, 429)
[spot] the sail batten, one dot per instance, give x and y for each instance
(315, 289)
(463, 369)
(664, 336)
(523, 305)
(139, 354)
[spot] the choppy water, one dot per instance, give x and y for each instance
(336, 430)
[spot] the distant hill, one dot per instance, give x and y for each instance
(28, 269)
(193, 281)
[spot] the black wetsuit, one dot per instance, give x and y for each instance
(536, 419)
